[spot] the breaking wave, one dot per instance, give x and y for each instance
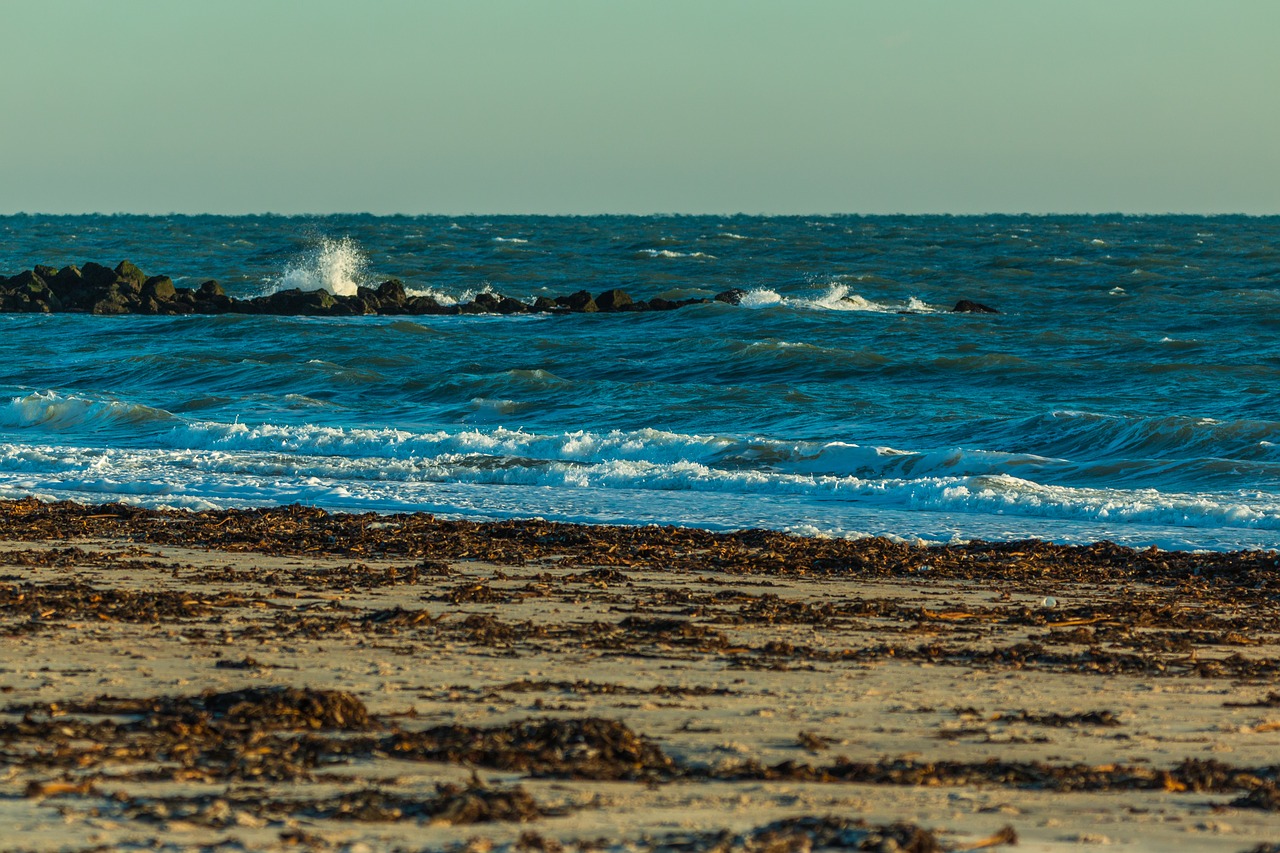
(209, 463)
(338, 266)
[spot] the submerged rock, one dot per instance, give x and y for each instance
(965, 306)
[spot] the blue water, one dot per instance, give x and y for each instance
(1128, 391)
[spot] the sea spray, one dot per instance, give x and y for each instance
(338, 266)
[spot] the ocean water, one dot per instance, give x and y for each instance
(1128, 391)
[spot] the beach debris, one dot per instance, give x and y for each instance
(448, 805)
(744, 600)
(588, 748)
(802, 834)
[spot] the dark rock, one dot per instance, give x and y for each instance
(126, 271)
(428, 305)
(25, 279)
(732, 296)
(613, 300)
(111, 304)
(66, 281)
(392, 292)
(507, 305)
(97, 276)
(496, 303)
(160, 288)
(212, 306)
(580, 301)
(126, 289)
(487, 301)
(964, 306)
(296, 301)
(343, 306)
(211, 290)
(366, 301)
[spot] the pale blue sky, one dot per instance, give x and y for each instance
(564, 106)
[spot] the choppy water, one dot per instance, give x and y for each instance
(1129, 391)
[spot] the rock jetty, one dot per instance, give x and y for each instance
(98, 289)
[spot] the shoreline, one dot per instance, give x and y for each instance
(289, 678)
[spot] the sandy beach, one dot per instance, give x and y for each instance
(290, 679)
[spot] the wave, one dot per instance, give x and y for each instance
(53, 411)
(199, 463)
(338, 266)
(837, 297)
(1101, 436)
(668, 253)
(620, 489)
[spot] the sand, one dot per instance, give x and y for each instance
(704, 694)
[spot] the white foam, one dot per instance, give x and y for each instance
(509, 240)
(761, 298)
(824, 487)
(667, 253)
(438, 295)
(836, 297)
(337, 266)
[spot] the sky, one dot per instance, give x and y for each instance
(660, 106)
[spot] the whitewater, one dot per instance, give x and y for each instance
(1126, 391)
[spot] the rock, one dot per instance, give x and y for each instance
(391, 292)
(126, 289)
(67, 280)
(111, 304)
(964, 306)
(428, 305)
(126, 271)
(366, 301)
(160, 288)
(210, 298)
(732, 296)
(294, 301)
(25, 279)
(613, 300)
(580, 301)
(507, 305)
(487, 302)
(97, 276)
(31, 297)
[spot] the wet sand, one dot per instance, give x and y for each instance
(289, 679)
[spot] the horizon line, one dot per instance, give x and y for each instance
(652, 214)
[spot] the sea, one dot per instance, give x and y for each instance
(1128, 390)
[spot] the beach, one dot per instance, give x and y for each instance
(294, 679)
